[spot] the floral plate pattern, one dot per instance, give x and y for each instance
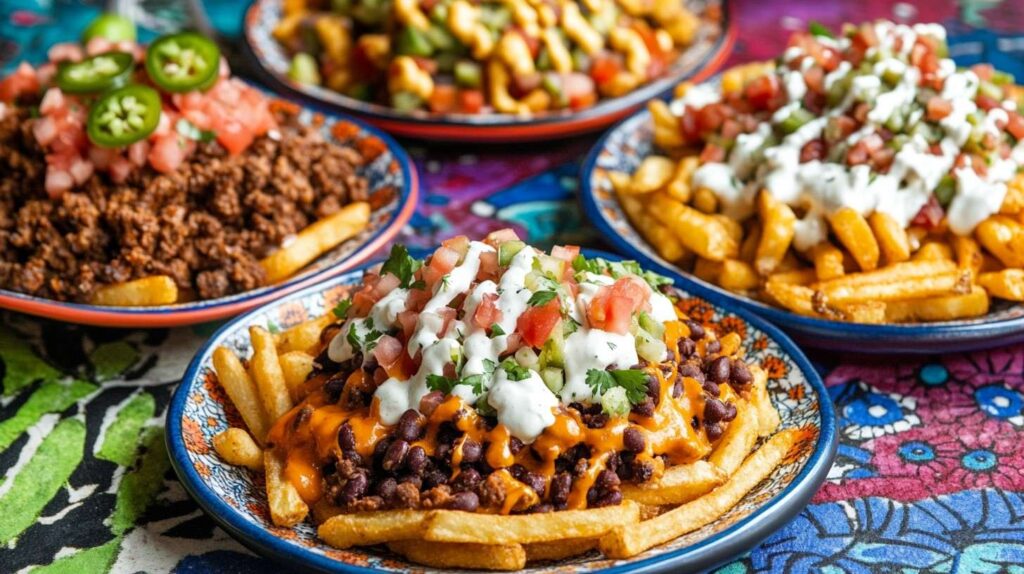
(392, 178)
(709, 50)
(625, 146)
(236, 498)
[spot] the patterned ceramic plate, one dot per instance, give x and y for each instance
(623, 148)
(712, 46)
(236, 499)
(392, 169)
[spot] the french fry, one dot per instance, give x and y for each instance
(968, 254)
(933, 251)
(620, 181)
(679, 188)
(793, 296)
(304, 336)
(867, 312)
(369, 528)
(559, 549)
(949, 283)
(828, 261)
(801, 276)
(777, 229)
(144, 292)
(943, 308)
(700, 233)
(855, 234)
(315, 240)
(664, 241)
(626, 541)
(461, 555)
(893, 273)
(891, 237)
(738, 440)
(737, 275)
(666, 127)
(286, 506)
(1004, 238)
(654, 173)
(266, 371)
(236, 447)
(732, 227)
(1006, 284)
(767, 417)
(242, 392)
(678, 484)
(295, 366)
(705, 201)
(748, 247)
(730, 343)
(457, 526)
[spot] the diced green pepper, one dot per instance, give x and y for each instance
(580, 60)
(553, 378)
(553, 352)
(796, 120)
(468, 74)
(304, 69)
(991, 90)
(441, 38)
(945, 191)
(508, 250)
(439, 14)
(651, 325)
(615, 403)
(405, 101)
(1001, 78)
(649, 348)
(413, 42)
(552, 84)
(543, 59)
(497, 18)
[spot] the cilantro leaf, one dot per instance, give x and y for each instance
(441, 383)
(353, 337)
(401, 265)
(599, 381)
(819, 29)
(541, 298)
(569, 327)
(514, 370)
(497, 331)
(633, 381)
(489, 366)
(341, 309)
(475, 382)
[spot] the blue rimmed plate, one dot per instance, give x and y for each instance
(391, 169)
(712, 46)
(235, 498)
(625, 146)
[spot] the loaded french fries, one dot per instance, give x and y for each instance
(860, 177)
(480, 408)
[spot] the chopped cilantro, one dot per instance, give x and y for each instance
(401, 265)
(341, 309)
(441, 383)
(444, 283)
(514, 370)
(633, 381)
(353, 337)
(819, 29)
(497, 331)
(541, 298)
(569, 326)
(475, 382)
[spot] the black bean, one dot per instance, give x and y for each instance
(711, 388)
(466, 501)
(416, 460)
(741, 376)
(696, 330)
(580, 467)
(595, 421)
(713, 430)
(468, 479)
(395, 455)
(607, 480)
(410, 426)
(515, 445)
(434, 477)
(355, 488)
(645, 408)
(386, 488)
(713, 347)
(692, 371)
(677, 389)
(653, 387)
(354, 457)
(471, 451)
(346, 438)
(730, 412)
(561, 487)
(541, 509)
(719, 370)
(443, 451)
(633, 439)
(611, 498)
(643, 471)
(333, 388)
(686, 348)
(534, 481)
(714, 411)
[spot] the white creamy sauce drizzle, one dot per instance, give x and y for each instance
(820, 188)
(525, 407)
(588, 349)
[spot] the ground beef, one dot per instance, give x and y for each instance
(207, 225)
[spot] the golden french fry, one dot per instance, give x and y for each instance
(700, 233)
(777, 229)
(664, 241)
(737, 275)
(933, 251)
(620, 181)
(802, 276)
(704, 201)
(767, 417)
(304, 336)
(266, 371)
(893, 273)
(949, 283)
(666, 127)
(868, 312)
(748, 247)
(855, 234)
(236, 447)
(654, 173)
(679, 188)
(1006, 284)
(678, 484)
(1004, 238)
(286, 506)
(731, 343)
(315, 240)
(828, 261)
(461, 555)
(968, 254)
(242, 392)
(457, 526)
(626, 541)
(732, 227)
(891, 237)
(369, 528)
(144, 292)
(793, 296)
(738, 440)
(295, 366)
(942, 308)
(559, 549)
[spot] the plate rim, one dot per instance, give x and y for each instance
(502, 128)
(714, 549)
(211, 310)
(898, 338)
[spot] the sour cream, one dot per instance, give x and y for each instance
(525, 407)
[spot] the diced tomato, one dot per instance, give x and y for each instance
(53, 103)
(23, 82)
(444, 259)
(1015, 125)
(488, 266)
(45, 130)
(65, 52)
(814, 77)
(689, 128)
(387, 284)
(633, 289)
(234, 137)
(882, 159)
(536, 323)
(938, 108)
(431, 276)
(930, 215)
(604, 68)
(762, 91)
(496, 238)
(166, 155)
(81, 170)
(711, 116)
(922, 55)
(388, 350)
(986, 103)
(471, 101)
(565, 252)
(812, 150)
(407, 320)
(579, 90)
(731, 129)
(610, 313)
(459, 244)
(857, 155)
(57, 182)
(487, 312)
(983, 71)
(449, 315)
(119, 169)
(443, 99)
(138, 152)
(712, 153)
(861, 111)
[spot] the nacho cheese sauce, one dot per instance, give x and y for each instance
(503, 343)
(934, 139)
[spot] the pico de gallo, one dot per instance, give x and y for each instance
(494, 377)
(877, 118)
(113, 106)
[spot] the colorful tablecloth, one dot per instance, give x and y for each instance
(930, 472)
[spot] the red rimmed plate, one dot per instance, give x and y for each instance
(696, 63)
(392, 168)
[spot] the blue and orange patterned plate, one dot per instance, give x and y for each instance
(625, 146)
(391, 169)
(710, 49)
(236, 499)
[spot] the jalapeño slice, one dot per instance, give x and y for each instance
(96, 73)
(183, 62)
(124, 116)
